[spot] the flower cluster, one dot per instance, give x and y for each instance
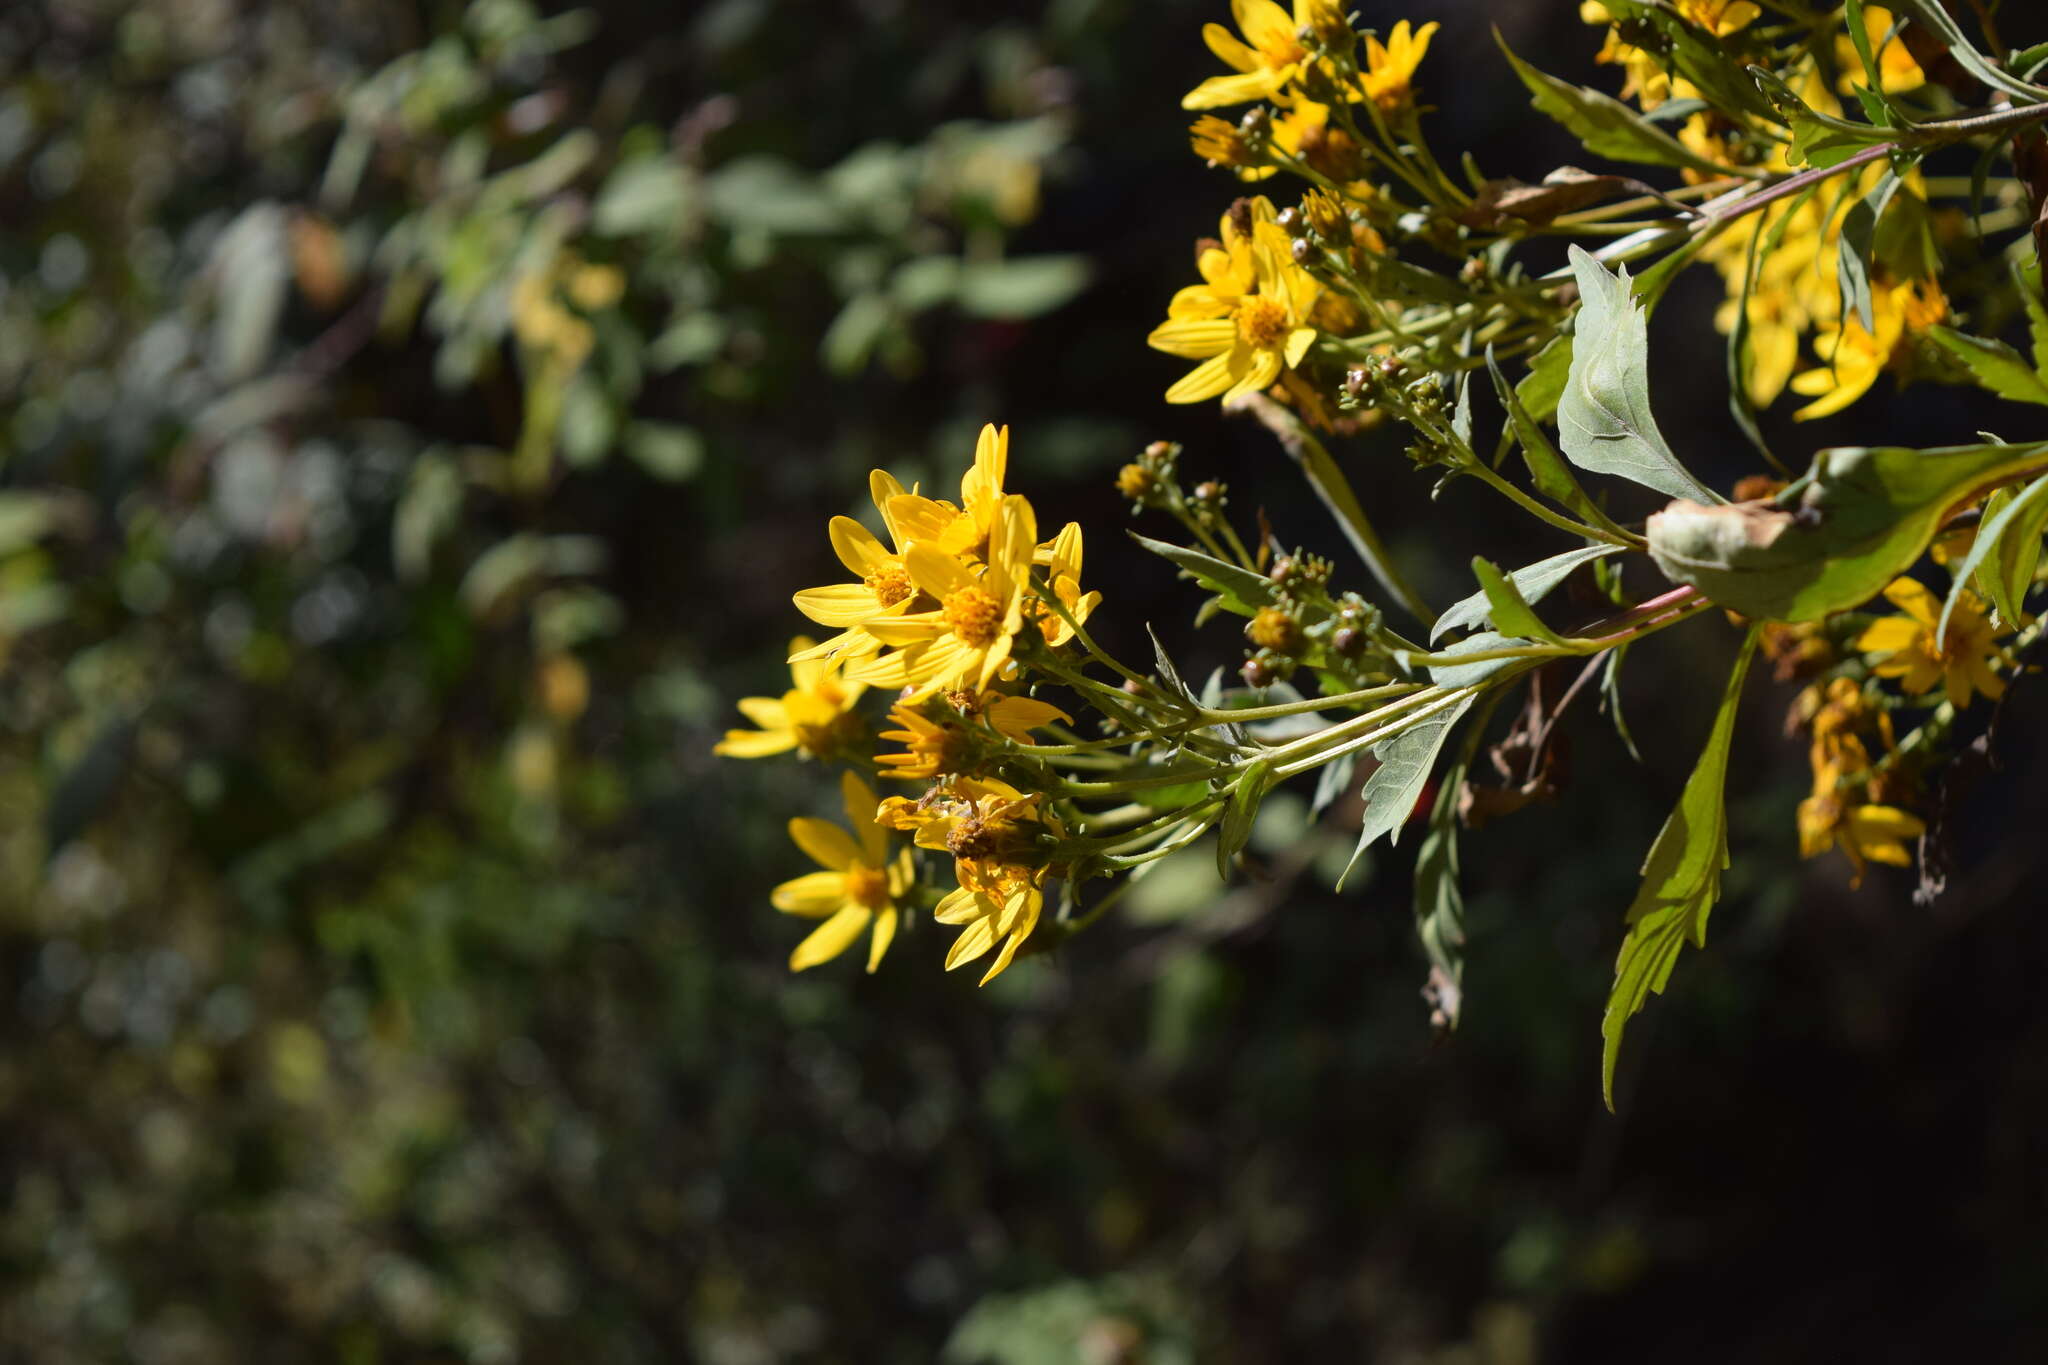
(944, 615)
(1391, 292)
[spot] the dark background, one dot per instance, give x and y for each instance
(329, 1040)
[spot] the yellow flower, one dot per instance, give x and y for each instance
(957, 741)
(1060, 557)
(814, 715)
(1857, 356)
(996, 835)
(883, 589)
(1218, 142)
(1647, 81)
(1865, 833)
(559, 337)
(963, 531)
(1268, 58)
(1390, 69)
(1961, 660)
(966, 640)
(861, 886)
(1248, 321)
(1895, 65)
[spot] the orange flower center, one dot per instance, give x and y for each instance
(890, 585)
(1261, 322)
(974, 615)
(867, 887)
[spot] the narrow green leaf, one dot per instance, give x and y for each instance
(1510, 612)
(1939, 22)
(1994, 365)
(1547, 469)
(1242, 591)
(1681, 880)
(1866, 514)
(1603, 419)
(2027, 280)
(1698, 56)
(1531, 582)
(1817, 139)
(1859, 38)
(1239, 812)
(1852, 257)
(1396, 784)
(1602, 124)
(2023, 518)
(1544, 384)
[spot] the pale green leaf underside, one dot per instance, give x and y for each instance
(1604, 421)
(1865, 516)
(1396, 784)
(1532, 581)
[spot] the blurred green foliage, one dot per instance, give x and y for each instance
(413, 419)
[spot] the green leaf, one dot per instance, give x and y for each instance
(1394, 786)
(429, 509)
(767, 194)
(1544, 384)
(667, 450)
(1239, 812)
(1547, 469)
(1681, 880)
(1817, 139)
(2026, 279)
(1023, 288)
(1938, 21)
(1859, 38)
(1506, 605)
(1866, 513)
(1698, 56)
(1995, 365)
(1602, 124)
(649, 196)
(1242, 591)
(1852, 256)
(1603, 419)
(1531, 583)
(1448, 668)
(2022, 520)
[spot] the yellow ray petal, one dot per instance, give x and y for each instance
(831, 938)
(814, 894)
(829, 846)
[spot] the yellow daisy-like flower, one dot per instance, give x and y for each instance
(1390, 68)
(1247, 322)
(1266, 60)
(1865, 833)
(966, 640)
(1856, 356)
(860, 887)
(1961, 661)
(963, 531)
(815, 715)
(1895, 65)
(1060, 558)
(957, 741)
(995, 834)
(882, 588)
